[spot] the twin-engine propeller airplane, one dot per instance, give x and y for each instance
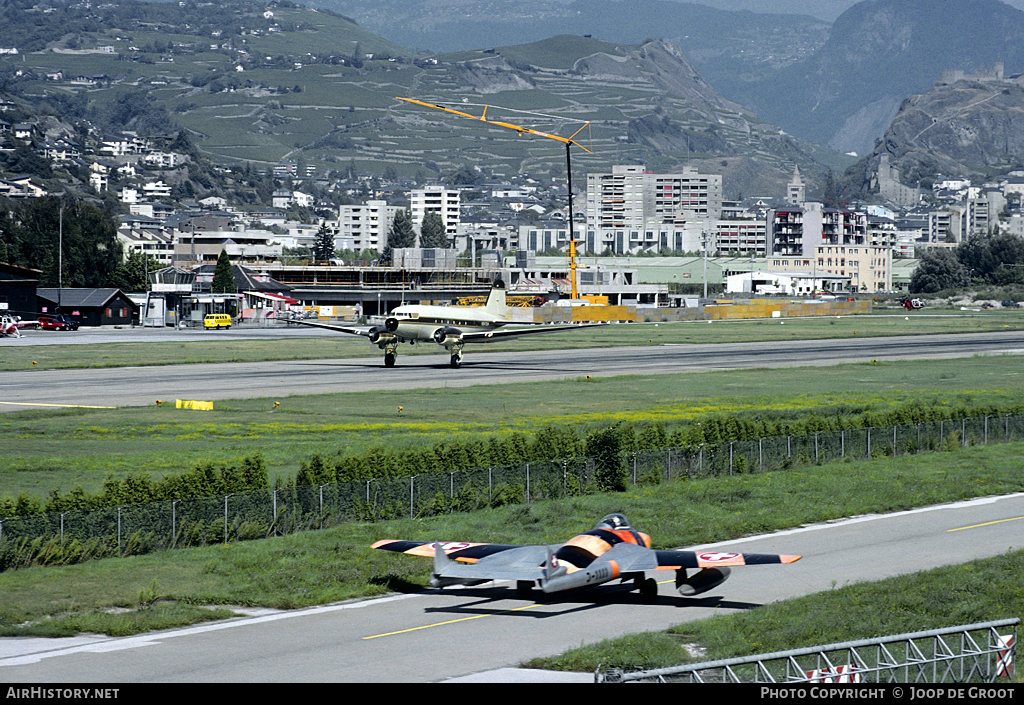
(612, 550)
(451, 327)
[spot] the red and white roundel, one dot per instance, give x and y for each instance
(717, 557)
(449, 546)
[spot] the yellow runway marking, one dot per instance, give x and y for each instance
(987, 523)
(452, 621)
(62, 406)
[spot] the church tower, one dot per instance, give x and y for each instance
(796, 192)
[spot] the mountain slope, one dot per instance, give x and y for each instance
(878, 53)
(970, 126)
(645, 104)
(259, 87)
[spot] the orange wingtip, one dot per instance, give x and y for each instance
(789, 559)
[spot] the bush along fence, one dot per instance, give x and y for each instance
(76, 535)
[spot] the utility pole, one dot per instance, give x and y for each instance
(60, 254)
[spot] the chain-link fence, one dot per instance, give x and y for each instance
(72, 536)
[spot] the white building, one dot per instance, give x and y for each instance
(436, 199)
(797, 283)
(631, 209)
(364, 226)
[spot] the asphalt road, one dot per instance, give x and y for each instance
(456, 633)
(140, 386)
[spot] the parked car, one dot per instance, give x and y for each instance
(71, 323)
(56, 322)
(1010, 304)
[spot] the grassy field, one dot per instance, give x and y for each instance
(336, 564)
(62, 449)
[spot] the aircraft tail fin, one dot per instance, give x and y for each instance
(441, 560)
(496, 299)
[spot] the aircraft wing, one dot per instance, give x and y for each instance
(486, 561)
(353, 330)
(674, 560)
(509, 332)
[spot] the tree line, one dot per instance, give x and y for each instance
(995, 259)
(71, 241)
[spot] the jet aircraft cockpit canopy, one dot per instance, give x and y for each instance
(614, 522)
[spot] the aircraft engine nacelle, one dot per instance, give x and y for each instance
(588, 577)
(702, 581)
(391, 324)
(443, 334)
(378, 335)
(441, 581)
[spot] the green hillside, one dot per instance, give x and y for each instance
(259, 86)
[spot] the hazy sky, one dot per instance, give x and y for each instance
(822, 9)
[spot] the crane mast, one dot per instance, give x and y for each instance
(569, 141)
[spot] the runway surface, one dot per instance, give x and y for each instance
(438, 635)
(139, 386)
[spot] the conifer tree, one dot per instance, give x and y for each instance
(432, 231)
(223, 279)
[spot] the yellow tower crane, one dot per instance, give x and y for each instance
(569, 141)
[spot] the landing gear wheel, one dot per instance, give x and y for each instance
(524, 588)
(456, 361)
(649, 591)
(389, 359)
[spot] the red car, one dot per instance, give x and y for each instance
(54, 323)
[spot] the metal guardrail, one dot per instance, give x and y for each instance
(972, 653)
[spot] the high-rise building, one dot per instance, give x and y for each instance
(438, 199)
(631, 208)
(364, 226)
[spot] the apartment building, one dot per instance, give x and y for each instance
(364, 226)
(437, 199)
(796, 230)
(867, 268)
(631, 208)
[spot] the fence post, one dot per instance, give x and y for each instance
(527, 483)
(275, 511)
(869, 443)
(411, 484)
(226, 517)
(119, 549)
(322, 505)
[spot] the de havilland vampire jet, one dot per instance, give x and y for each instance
(451, 327)
(612, 550)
